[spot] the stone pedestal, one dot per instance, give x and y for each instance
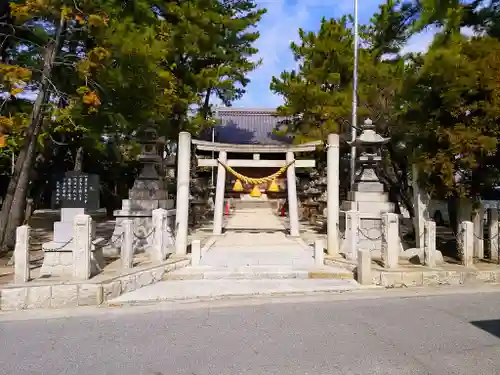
(370, 201)
(140, 212)
(58, 253)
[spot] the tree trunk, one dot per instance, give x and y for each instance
(452, 204)
(79, 160)
(12, 213)
(206, 104)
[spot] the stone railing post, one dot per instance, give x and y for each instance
(364, 270)
(466, 243)
(332, 217)
(22, 255)
(160, 228)
(430, 243)
(351, 234)
(82, 241)
(493, 233)
(319, 253)
(479, 232)
(195, 252)
(390, 236)
(182, 201)
(127, 249)
(421, 199)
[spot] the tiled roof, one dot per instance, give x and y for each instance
(248, 126)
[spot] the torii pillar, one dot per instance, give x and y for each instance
(332, 215)
(219, 194)
(182, 201)
(293, 209)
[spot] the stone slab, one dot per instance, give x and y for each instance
(366, 196)
(198, 289)
(423, 276)
(370, 207)
(259, 272)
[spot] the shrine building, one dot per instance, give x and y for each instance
(247, 127)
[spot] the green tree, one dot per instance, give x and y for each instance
(210, 53)
(317, 94)
(110, 68)
(452, 112)
(65, 99)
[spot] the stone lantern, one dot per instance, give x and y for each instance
(369, 145)
(367, 197)
(149, 185)
(148, 193)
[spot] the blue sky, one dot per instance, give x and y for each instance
(280, 26)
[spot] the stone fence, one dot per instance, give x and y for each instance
(470, 244)
(85, 259)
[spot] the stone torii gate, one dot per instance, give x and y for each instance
(224, 148)
(183, 173)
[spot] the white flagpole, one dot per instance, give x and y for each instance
(354, 122)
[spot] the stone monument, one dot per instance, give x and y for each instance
(148, 193)
(367, 195)
(75, 194)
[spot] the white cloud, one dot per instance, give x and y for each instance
(279, 27)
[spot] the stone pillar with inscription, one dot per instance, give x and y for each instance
(148, 193)
(75, 194)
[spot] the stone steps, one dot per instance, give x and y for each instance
(256, 258)
(175, 290)
(250, 204)
(259, 272)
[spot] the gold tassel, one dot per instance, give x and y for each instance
(273, 188)
(255, 192)
(238, 187)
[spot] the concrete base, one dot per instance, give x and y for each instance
(42, 293)
(58, 261)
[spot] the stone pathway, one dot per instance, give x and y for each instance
(255, 219)
(251, 249)
(255, 256)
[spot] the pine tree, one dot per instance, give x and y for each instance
(317, 94)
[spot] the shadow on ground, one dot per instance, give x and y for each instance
(490, 326)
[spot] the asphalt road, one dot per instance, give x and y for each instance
(452, 334)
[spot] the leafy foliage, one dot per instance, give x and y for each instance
(440, 108)
(101, 70)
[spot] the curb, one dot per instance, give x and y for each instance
(46, 295)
